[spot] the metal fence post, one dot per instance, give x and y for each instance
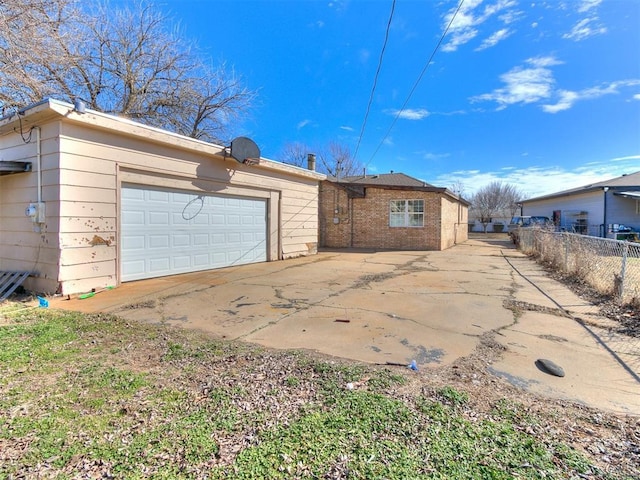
(565, 240)
(623, 269)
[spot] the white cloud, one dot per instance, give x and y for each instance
(586, 5)
(459, 39)
(535, 181)
(585, 28)
(303, 124)
(566, 101)
(495, 38)
(624, 159)
(409, 113)
(568, 98)
(636, 96)
(345, 127)
(471, 15)
(435, 156)
(524, 84)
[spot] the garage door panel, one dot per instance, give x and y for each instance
(201, 260)
(180, 262)
(158, 196)
(159, 265)
(159, 218)
(180, 240)
(158, 241)
(167, 232)
(201, 240)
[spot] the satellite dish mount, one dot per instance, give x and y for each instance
(245, 150)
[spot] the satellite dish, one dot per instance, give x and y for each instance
(243, 148)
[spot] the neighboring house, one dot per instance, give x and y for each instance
(597, 209)
(390, 211)
(499, 221)
(90, 200)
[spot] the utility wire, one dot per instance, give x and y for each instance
(415, 85)
(375, 78)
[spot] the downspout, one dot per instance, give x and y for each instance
(351, 220)
(604, 217)
(38, 164)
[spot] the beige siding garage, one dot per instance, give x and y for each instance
(86, 159)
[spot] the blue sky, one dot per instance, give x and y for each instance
(541, 94)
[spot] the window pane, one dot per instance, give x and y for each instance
(396, 220)
(397, 205)
(416, 220)
(416, 205)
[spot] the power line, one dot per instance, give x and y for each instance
(415, 85)
(375, 78)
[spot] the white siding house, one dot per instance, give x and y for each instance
(597, 209)
(113, 200)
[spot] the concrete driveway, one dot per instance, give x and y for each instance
(378, 307)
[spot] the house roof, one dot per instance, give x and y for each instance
(384, 179)
(625, 181)
(394, 181)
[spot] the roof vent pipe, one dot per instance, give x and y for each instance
(311, 162)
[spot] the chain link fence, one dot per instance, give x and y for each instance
(611, 267)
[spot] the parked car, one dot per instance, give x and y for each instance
(519, 222)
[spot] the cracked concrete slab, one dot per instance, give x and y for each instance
(378, 307)
(592, 376)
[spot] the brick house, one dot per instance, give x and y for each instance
(390, 211)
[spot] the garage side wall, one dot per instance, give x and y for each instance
(22, 248)
(454, 222)
(299, 218)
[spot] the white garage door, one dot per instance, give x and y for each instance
(165, 231)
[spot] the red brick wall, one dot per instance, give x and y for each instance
(364, 222)
(334, 222)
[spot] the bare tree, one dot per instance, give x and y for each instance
(458, 188)
(335, 159)
(494, 199)
(296, 153)
(125, 61)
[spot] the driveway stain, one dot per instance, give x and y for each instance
(513, 379)
(553, 338)
(424, 356)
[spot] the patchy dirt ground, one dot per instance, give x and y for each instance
(611, 442)
(626, 316)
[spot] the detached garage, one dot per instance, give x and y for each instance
(90, 200)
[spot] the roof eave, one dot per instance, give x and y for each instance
(50, 109)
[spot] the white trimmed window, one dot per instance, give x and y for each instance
(406, 213)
